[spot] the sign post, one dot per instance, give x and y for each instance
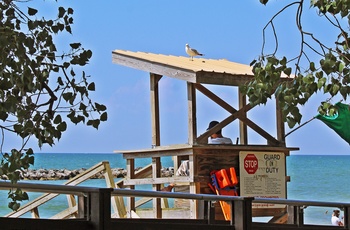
(263, 174)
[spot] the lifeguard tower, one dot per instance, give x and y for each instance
(261, 169)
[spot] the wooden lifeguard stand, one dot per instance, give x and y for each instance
(247, 159)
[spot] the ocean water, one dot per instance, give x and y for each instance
(85, 160)
(313, 177)
(319, 178)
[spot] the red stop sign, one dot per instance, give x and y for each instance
(250, 163)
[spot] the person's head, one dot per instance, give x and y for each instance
(336, 213)
(212, 124)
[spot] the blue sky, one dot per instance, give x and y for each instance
(230, 30)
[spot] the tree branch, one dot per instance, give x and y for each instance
(270, 22)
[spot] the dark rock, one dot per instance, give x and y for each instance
(65, 174)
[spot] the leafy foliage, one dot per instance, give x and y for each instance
(38, 85)
(330, 74)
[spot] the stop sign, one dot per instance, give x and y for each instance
(250, 163)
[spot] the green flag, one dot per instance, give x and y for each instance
(340, 122)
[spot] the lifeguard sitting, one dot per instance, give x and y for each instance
(215, 138)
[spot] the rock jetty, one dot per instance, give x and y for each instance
(65, 174)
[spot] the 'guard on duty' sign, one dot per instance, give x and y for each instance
(262, 174)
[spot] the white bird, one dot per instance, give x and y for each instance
(192, 52)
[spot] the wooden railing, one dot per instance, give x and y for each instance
(94, 211)
(71, 211)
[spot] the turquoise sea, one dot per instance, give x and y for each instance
(313, 177)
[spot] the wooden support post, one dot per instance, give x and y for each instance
(192, 139)
(295, 215)
(82, 207)
(243, 131)
(35, 213)
(280, 124)
(192, 110)
(156, 172)
(177, 163)
(117, 201)
(165, 203)
(100, 209)
(196, 206)
(292, 213)
(210, 212)
(300, 216)
(241, 213)
(154, 78)
(130, 167)
(346, 217)
(72, 203)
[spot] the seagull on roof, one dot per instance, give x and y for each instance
(192, 52)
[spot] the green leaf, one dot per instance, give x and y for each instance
(288, 98)
(273, 60)
(14, 205)
(335, 89)
(67, 96)
(3, 115)
(62, 127)
(32, 11)
(341, 67)
(252, 63)
(94, 123)
(283, 61)
(291, 122)
(57, 119)
(264, 1)
(55, 29)
(61, 12)
(100, 107)
(59, 81)
(66, 65)
(103, 116)
(18, 128)
(69, 29)
(72, 72)
(333, 111)
(88, 54)
(287, 71)
(312, 66)
(82, 106)
(321, 82)
(91, 86)
(326, 105)
(61, 26)
(75, 45)
(29, 151)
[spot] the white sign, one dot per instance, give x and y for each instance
(263, 174)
